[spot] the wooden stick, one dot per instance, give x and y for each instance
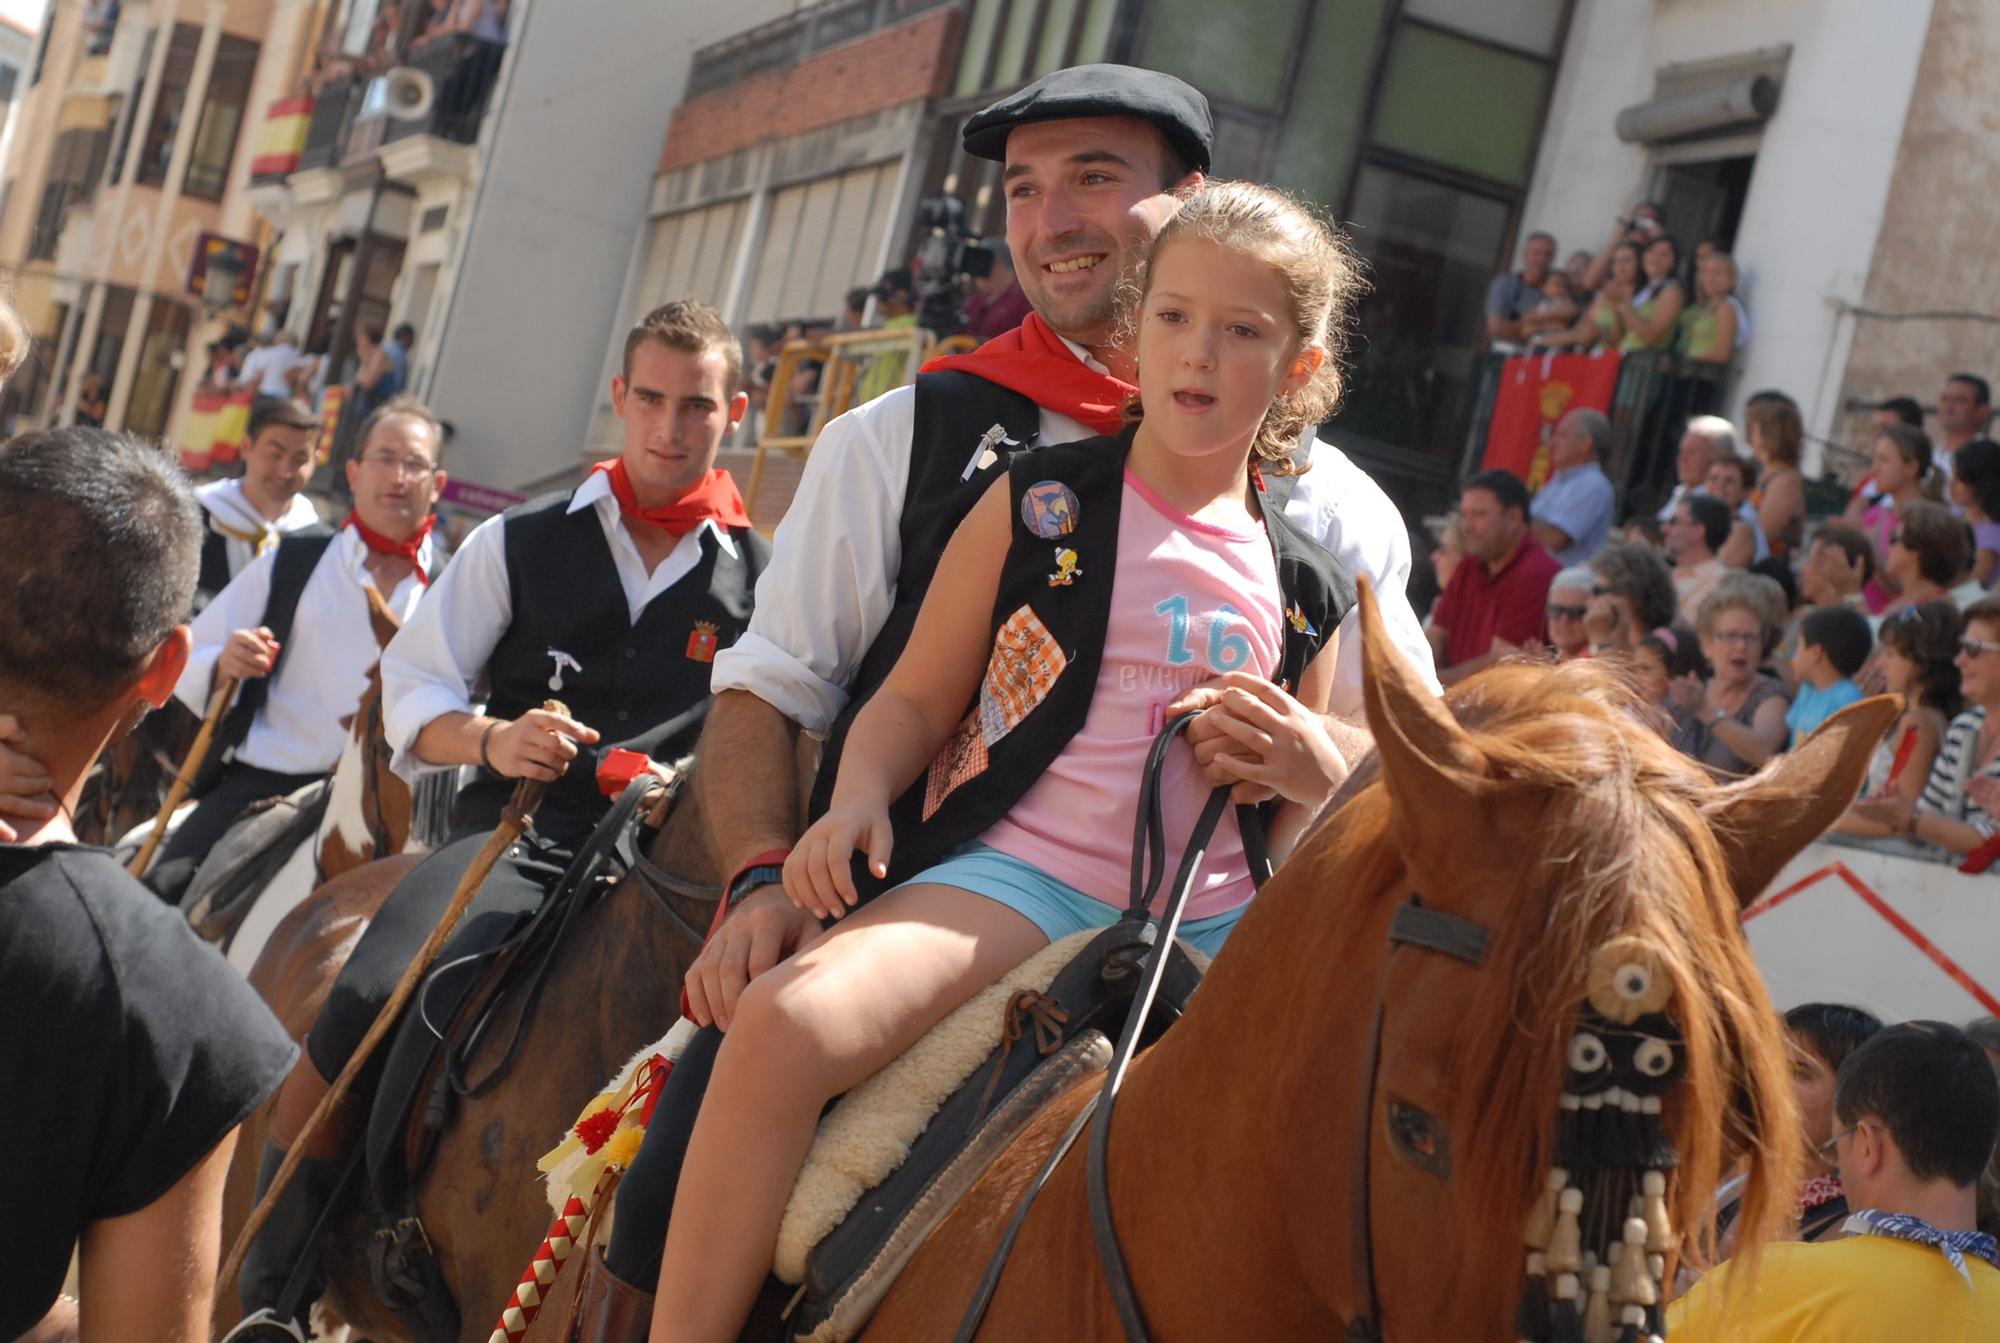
(218, 703)
(513, 821)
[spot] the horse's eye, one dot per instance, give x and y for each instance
(1419, 1138)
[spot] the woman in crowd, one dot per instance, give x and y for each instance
(1729, 479)
(1663, 656)
(1929, 551)
(1948, 814)
(1569, 603)
(1776, 435)
(1902, 460)
(1711, 328)
(1633, 595)
(1919, 661)
(1651, 316)
(1599, 328)
(1975, 491)
(1735, 720)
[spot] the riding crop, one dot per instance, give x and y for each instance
(218, 704)
(519, 813)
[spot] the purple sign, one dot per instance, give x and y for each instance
(478, 498)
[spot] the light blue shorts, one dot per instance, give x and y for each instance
(1054, 907)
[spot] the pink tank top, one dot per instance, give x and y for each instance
(1190, 600)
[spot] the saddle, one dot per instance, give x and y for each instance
(248, 856)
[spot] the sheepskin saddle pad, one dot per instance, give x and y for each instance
(894, 1155)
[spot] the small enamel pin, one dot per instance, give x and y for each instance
(1296, 618)
(1066, 568)
(988, 451)
(562, 660)
(701, 643)
(1049, 509)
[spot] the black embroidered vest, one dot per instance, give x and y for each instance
(1040, 621)
(643, 685)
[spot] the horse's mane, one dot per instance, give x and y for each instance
(1622, 847)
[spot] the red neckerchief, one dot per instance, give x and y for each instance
(382, 545)
(713, 499)
(1032, 360)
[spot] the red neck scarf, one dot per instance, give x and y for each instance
(1032, 360)
(382, 545)
(713, 499)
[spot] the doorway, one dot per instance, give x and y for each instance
(1703, 198)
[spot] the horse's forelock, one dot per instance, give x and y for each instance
(1621, 847)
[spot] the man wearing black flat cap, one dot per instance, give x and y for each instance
(1097, 158)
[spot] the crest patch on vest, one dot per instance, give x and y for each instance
(1049, 509)
(1022, 671)
(701, 643)
(562, 661)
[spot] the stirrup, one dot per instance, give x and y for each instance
(265, 1326)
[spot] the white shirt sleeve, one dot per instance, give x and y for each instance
(832, 577)
(1339, 503)
(430, 668)
(239, 606)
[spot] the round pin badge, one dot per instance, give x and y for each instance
(1049, 509)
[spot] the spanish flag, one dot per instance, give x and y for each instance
(282, 137)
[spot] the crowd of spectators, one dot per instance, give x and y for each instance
(1638, 292)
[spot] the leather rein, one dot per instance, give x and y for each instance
(1413, 924)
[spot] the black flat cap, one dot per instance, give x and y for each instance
(1178, 109)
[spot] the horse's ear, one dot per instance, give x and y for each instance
(1763, 821)
(1420, 744)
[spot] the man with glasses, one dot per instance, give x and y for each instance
(1493, 605)
(1917, 1111)
(1697, 530)
(293, 631)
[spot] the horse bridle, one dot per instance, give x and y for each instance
(1413, 924)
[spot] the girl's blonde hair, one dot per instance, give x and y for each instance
(1322, 278)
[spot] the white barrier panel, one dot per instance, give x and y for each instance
(1900, 936)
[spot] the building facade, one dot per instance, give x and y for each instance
(1841, 150)
(796, 166)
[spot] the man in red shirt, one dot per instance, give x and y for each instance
(1494, 603)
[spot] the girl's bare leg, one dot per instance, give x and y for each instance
(812, 1028)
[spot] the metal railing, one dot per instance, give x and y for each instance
(1653, 399)
(789, 40)
(333, 112)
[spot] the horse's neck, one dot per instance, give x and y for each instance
(347, 833)
(1242, 1127)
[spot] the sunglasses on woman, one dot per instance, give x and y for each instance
(1567, 612)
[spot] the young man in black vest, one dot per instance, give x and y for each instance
(247, 515)
(615, 598)
(293, 630)
(130, 1051)
(1095, 158)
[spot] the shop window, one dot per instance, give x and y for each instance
(1323, 124)
(221, 118)
(156, 148)
(1530, 25)
(1430, 250)
(1461, 103)
(1215, 49)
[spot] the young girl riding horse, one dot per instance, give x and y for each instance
(1088, 592)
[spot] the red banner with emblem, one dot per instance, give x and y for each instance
(1536, 391)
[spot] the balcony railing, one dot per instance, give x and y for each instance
(789, 40)
(462, 70)
(333, 112)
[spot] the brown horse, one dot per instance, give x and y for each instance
(612, 990)
(1336, 1133)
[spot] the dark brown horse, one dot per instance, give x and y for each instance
(613, 989)
(1333, 1126)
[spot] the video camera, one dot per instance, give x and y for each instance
(948, 260)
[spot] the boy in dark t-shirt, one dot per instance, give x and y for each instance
(129, 1051)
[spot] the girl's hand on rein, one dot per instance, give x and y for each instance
(819, 875)
(1261, 740)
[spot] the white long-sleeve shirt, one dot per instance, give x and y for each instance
(433, 664)
(832, 577)
(224, 503)
(327, 656)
